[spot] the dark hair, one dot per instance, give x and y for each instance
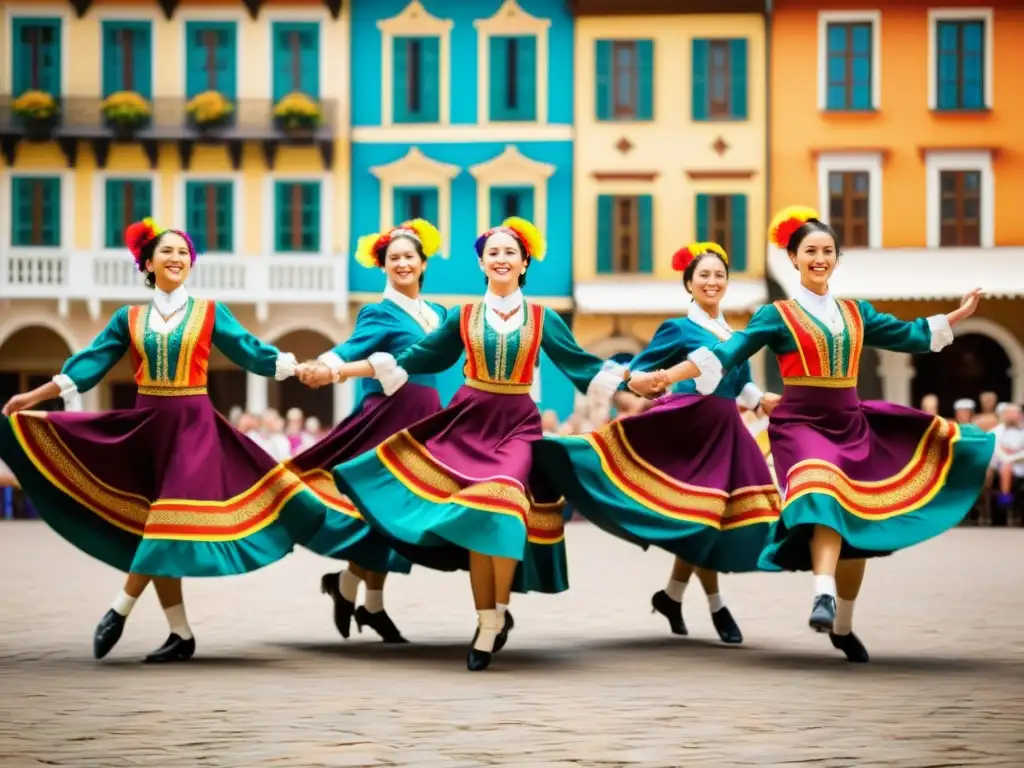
(691, 268)
(146, 254)
(522, 252)
(383, 254)
(809, 226)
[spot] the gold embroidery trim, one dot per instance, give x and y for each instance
(499, 387)
(527, 340)
(172, 391)
(811, 328)
(819, 381)
(189, 340)
(475, 331)
(320, 482)
(854, 323)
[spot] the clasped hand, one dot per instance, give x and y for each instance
(650, 384)
(315, 374)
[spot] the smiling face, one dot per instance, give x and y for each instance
(815, 258)
(503, 263)
(404, 266)
(170, 262)
(708, 283)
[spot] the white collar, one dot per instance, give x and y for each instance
(704, 320)
(504, 304)
(812, 300)
(409, 305)
(169, 303)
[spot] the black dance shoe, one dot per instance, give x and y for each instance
(380, 623)
(671, 610)
(173, 649)
(502, 638)
(728, 629)
(823, 614)
(850, 645)
(107, 633)
(477, 661)
(343, 609)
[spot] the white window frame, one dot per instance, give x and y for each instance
(850, 17)
(511, 20)
(67, 209)
(181, 203)
(60, 12)
(237, 16)
(935, 15)
(511, 168)
(326, 181)
(329, 86)
(937, 161)
(99, 209)
(415, 21)
(855, 162)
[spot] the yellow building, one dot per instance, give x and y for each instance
(261, 198)
(670, 147)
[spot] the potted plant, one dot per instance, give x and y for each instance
(126, 112)
(297, 112)
(209, 110)
(38, 111)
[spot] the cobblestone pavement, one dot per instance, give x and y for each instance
(590, 678)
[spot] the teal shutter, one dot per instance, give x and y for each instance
(430, 79)
(225, 217)
(405, 210)
(430, 204)
(738, 71)
(702, 217)
(113, 59)
(36, 56)
(499, 106)
(738, 250)
(311, 217)
(283, 214)
(115, 217)
(645, 220)
(645, 79)
(699, 88)
(199, 77)
(51, 212)
(35, 201)
(122, 72)
(526, 78)
(199, 195)
(195, 214)
(306, 35)
(510, 201)
(605, 212)
(400, 80)
(282, 85)
(603, 79)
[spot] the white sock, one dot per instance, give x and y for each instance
(374, 600)
(123, 604)
(177, 621)
(488, 620)
(715, 602)
(843, 625)
(348, 585)
(674, 589)
(824, 584)
(502, 609)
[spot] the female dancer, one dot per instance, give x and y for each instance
(395, 323)
(709, 501)
(859, 479)
(167, 489)
(457, 489)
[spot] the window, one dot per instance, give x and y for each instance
(960, 63)
(960, 208)
(417, 76)
(127, 57)
(625, 74)
(297, 212)
(719, 80)
(126, 201)
(848, 205)
(210, 215)
(296, 59)
(511, 201)
(36, 53)
(211, 58)
(513, 73)
(848, 69)
(415, 203)
(723, 219)
(624, 232)
(35, 211)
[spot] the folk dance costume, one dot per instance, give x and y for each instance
(464, 479)
(685, 475)
(394, 324)
(168, 488)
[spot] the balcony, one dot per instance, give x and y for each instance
(99, 276)
(81, 119)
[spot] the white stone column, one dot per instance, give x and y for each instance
(256, 388)
(344, 399)
(896, 370)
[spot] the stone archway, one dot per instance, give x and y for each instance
(30, 354)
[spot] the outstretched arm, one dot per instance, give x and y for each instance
(248, 351)
(597, 378)
(370, 334)
(931, 334)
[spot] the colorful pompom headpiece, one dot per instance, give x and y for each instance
(787, 221)
(140, 234)
(526, 233)
(682, 258)
(370, 249)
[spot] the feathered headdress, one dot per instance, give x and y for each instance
(370, 249)
(682, 258)
(787, 221)
(140, 234)
(526, 233)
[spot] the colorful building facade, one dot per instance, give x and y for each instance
(462, 114)
(908, 140)
(258, 191)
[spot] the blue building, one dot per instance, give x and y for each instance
(462, 114)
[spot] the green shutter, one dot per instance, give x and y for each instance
(526, 78)
(223, 77)
(645, 220)
(309, 59)
(603, 79)
(195, 215)
(113, 60)
(311, 217)
(499, 108)
(283, 214)
(26, 193)
(281, 67)
(605, 212)
(36, 56)
(699, 88)
(225, 216)
(645, 79)
(115, 214)
(116, 36)
(142, 59)
(738, 250)
(51, 212)
(702, 217)
(430, 79)
(738, 71)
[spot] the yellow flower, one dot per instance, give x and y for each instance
(209, 107)
(298, 110)
(126, 107)
(37, 105)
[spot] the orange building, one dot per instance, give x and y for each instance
(909, 139)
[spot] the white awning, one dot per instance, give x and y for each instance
(660, 297)
(914, 273)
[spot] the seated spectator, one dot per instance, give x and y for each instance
(987, 418)
(1009, 457)
(930, 404)
(963, 411)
